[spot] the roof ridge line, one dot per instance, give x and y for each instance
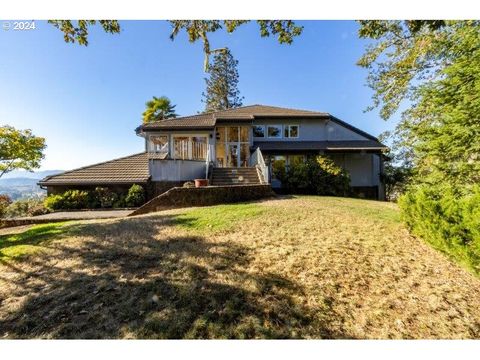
(206, 113)
(87, 166)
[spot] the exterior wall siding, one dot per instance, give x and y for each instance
(364, 168)
(311, 130)
(177, 170)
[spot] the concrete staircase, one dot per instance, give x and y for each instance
(235, 176)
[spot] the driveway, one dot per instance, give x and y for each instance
(63, 216)
(84, 215)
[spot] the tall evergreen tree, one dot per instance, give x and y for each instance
(222, 91)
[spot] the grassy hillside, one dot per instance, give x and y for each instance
(300, 267)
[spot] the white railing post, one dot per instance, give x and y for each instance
(207, 162)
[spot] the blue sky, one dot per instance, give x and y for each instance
(87, 101)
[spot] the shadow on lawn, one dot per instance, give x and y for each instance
(38, 235)
(122, 281)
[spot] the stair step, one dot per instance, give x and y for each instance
(235, 176)
(236, 181)
(230, 176)
(235, 169)
(235, 172)
(239, 183)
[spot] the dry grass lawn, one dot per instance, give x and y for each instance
(302, 267)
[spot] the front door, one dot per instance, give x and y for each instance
(232, 155)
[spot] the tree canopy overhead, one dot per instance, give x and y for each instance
(284, 30)
(222, 91)
(434, 65)
(78, 31)
(158, 109)
(19, 149)
(403, 55)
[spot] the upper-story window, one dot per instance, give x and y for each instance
(190, 147)
(258, 131)
(291, 131)
(159, 143)
(274, 131)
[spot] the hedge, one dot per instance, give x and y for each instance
(450, 222)
(101, 197)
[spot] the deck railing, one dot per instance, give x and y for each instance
(161, 153)
(190, 150)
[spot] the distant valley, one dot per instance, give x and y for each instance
(23, 184)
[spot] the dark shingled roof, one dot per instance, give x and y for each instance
(125, 170)
(247, 113)
(319, 145)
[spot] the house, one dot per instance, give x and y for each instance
(235, 147)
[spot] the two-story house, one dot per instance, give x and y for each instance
(235, 147)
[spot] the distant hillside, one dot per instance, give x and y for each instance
(23, 184)
(30, 175)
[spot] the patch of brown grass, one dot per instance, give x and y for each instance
(302, 267)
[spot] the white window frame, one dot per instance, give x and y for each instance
(264, 132)
(288, 128)
(275, 137)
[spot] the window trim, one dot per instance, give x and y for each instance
(289, 131)
(264, 132)
(189, 145)
(275, 137)
(152, 145)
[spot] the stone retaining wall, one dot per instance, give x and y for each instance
(5, 223)
(178, 197)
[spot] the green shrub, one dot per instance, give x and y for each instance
(26, 207)
(5, 201)
(76, 199)
(71, 199)
(106, 197)
(135, 196)
(120, 202)
(53, 202)
(318, 175)
(448, 221)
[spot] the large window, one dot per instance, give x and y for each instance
(159, 143)
(274, 131)
(232, 134)
(190, 147)
(233, 146)
(281, 163)
(278, 163)
(258, 131)
(291, 131)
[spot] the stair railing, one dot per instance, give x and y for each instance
(207, 162)
(257, 160)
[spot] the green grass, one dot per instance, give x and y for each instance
(217, 218)
(291, 267)
(17, 245)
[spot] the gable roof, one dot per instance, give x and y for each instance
(244, 113)
(208, 120)
(124, 170)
